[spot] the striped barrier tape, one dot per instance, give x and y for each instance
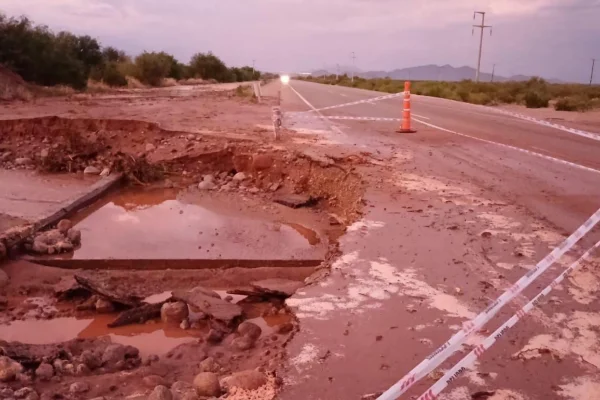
(389, 96)
(454, 372)
(452, 345)
(579, 132)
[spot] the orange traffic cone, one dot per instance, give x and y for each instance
(405, 126)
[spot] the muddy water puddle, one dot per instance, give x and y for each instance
(154, 224)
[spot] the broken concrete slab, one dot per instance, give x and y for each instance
(277, 287)
(138, 315)
(295, 200)
(108, 291)
(201, 300)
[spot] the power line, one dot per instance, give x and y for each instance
(482, 27)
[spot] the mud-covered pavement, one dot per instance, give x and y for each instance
(412, 236)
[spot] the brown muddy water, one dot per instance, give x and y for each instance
(153, 337)
(155, 224)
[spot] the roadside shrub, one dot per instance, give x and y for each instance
(535, 99)
(152, 68)
(480, 98)
(573, 103)
(208, 66)
(112, 76)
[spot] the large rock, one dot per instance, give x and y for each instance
(261, 162)
(44, 372)
(207, 384)
(242, 343)
(64, 225)
(250, 330)
(160, 393)
(200, 300)
(114, 353)
(249, 380)
(206, 185)
(174, 313)
(74, 236)
(90, 359)
(209, 365)
(91, 170)
(79, 387)
(9, 369)
(26, 393)
(23, 161)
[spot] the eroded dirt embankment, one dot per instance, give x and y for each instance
(203, 350)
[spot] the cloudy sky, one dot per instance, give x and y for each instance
(551, 38)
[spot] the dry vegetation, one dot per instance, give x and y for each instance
(534, 93)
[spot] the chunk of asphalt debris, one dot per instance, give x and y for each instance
(277, 287)
(108, 291)
(200, 299)
(295, 200)
(137, 315)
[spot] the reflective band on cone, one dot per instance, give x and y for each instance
(405, 126)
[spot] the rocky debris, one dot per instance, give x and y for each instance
(26, 393)
(105, 172)
(150, 147)
(138, 315)
(118, 356)
(214, 336)
(204, 185)
(285, 328)
(21, 161)
(183, 391)
(239, 177)
(185, 324)
(5, 156)
(335, 220)
(79, 387)
(243, 343)
(44, 372)
(261, 162)
(174, 313)
(9, 369)
(104, 306)
(212, 306)
(277, 287)
(91, 170)
(160, 392)
(74, 236)
(295, 200)
(108, 291)
(52, 242)
(209, 365)
(250, 330)
(64, 225)
(207, 384)
(249, 380)
(154, 380)
(68, 288)
(4, 279)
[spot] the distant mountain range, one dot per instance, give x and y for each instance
(431, 73)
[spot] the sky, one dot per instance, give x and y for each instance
(549, 38)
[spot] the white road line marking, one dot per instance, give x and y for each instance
(420, 116)
(333, 127)
(558, 160)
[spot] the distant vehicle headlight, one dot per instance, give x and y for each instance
(285, 79)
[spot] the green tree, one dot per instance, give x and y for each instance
(209, 66)
(152, 68)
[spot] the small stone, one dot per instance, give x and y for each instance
(214, 336)
(242, 343)
(228, 298)
(91, 170)
(253, 190)
(191, 136)
(44, 372)
(204, 185)
(9, 369)
(113, 354)
(104, 306)
(79, 387)
(150, 147)
(64, 247)
(69, 369)
(154, 380)
(207, 384)
(274, 187)
(23, 161)
(285, 328)
(74, 236)
(81, 370)
(208, 178)
(248, 380)
(334, 220)
(181, 387)
(160, 393)
(185, 324)
(44, 153)
(5, 156)
(39, 247)
(105, 172)
(174, 313)
(250, 330)
(209, 365)
(240, 176)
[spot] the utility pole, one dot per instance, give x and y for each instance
(482, 27)
(337, 72)
(353, 64)
(493, 71)
(253, 64)
(592, 75)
